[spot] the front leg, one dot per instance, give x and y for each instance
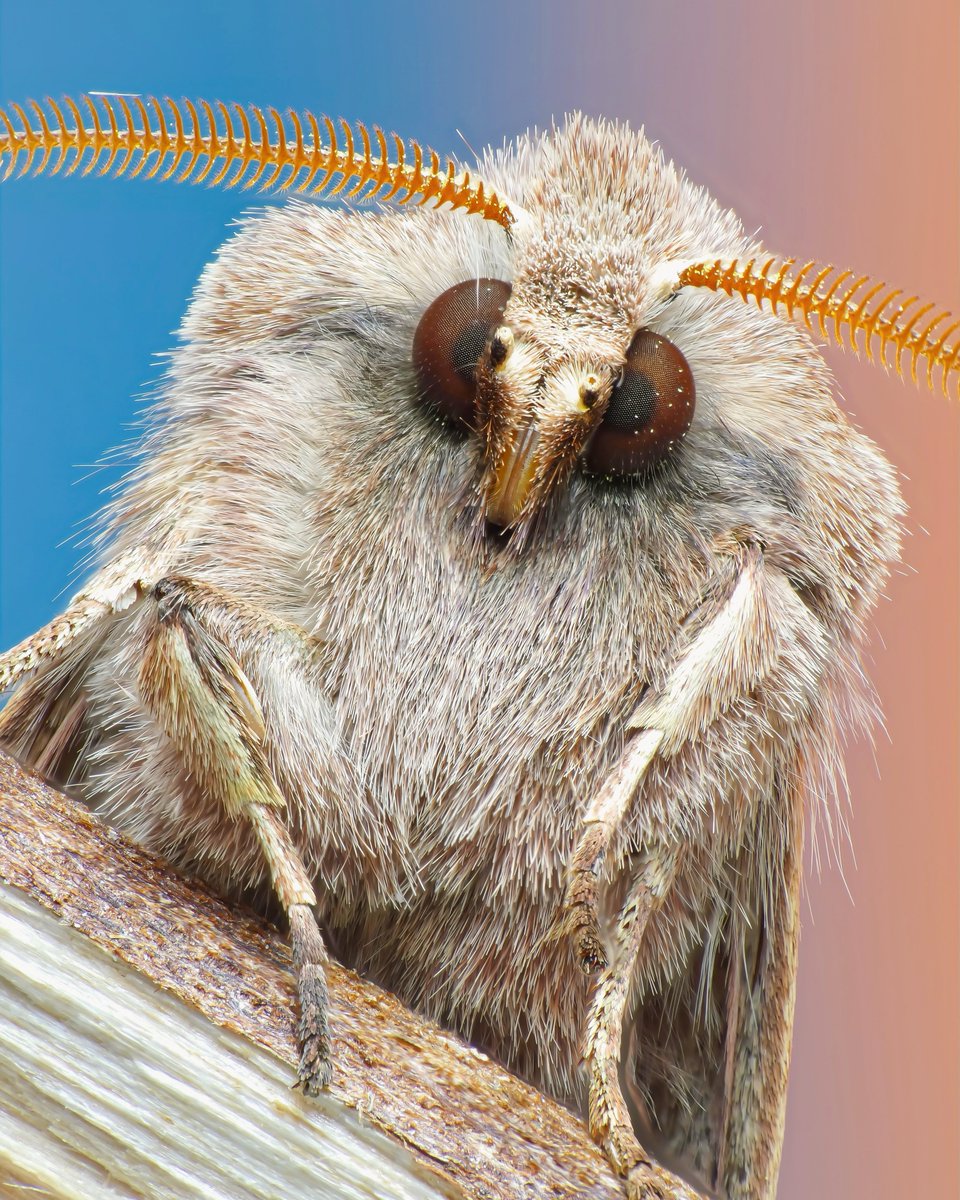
(610, 1122)
(693, 693)
(752, 647)
(600, 824)
(205, 703)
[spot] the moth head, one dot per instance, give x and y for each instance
(578, 364)
(564, 367)
(546, 401)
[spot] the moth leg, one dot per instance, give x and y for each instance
(609, 1117)
(43, 721)
(600, 823)
(205, 703)
(111, 590)
(47, 642)
(296, 894)
(664, 721)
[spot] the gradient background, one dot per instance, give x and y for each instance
(835, 129)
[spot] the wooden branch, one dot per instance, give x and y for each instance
(163, 1068)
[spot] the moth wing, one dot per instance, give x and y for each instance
(710, 1055)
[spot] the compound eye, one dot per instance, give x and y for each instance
(451, 338)
(650, 409)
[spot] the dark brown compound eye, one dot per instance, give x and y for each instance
(650, 409)
(451, 338)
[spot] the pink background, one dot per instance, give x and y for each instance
(835, 128)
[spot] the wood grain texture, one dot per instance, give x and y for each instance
(116, 1090)
(463, 1120)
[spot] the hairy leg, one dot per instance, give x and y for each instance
(752, 636)
(759, 1031)
(600, 823)
(609, 1117)
(200, 696)
(110, 591)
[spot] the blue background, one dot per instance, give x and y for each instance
(95, 274)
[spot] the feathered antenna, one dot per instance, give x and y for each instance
(843, 302)
(250, 146)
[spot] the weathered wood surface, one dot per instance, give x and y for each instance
(115, 1090)
(443, 1113)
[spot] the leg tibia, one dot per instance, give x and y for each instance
(203, 700)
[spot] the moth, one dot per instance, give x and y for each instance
(491, 586)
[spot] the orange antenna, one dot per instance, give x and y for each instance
(844, 303)
(232, 145)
